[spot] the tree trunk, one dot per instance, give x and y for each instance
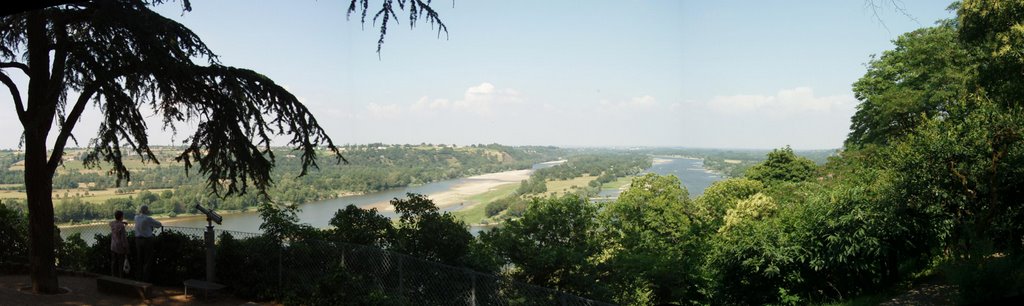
(38, 188)
(38, 174)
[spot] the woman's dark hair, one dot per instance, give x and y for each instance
(118, 215)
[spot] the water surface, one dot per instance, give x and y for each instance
(690, 172)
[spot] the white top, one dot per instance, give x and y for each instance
(144, 225)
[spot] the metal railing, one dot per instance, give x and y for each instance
(302, 268)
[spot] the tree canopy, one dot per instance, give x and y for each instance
(781, 166)
(917, 80)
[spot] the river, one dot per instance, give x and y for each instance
(690, 172)
(694, 177)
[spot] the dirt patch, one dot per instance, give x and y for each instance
(471, 186)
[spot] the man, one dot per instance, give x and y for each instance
(144, 240)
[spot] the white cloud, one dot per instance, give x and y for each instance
(641, 104)
(644, 102)
(483, 99)
(675, 106)
(337, 113)
(786, 101)
(383, 110)
(425, 103)
(483, 90)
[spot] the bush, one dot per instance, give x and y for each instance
(361, 226)
(177, 257)
(72, 253)
(988, 279)
(98, 255)
(250, 267)
(13, 238)
(496, 207)
(342, 286)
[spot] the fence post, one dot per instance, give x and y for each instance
(401, 279)
(472, 291)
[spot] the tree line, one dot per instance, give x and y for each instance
(606, 166)
(371, 168)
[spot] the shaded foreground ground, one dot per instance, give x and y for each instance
(933, 291)
(83, 292)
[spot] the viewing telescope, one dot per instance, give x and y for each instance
(211, 251)
(210, 214)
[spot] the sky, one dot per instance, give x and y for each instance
(709, 74)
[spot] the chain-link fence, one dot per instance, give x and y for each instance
(310, 271)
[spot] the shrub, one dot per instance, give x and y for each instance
(250, 267)
(98, 255)
(13, 237)
(72, 253)
(988, 279)
(341, 286)
(177, 257)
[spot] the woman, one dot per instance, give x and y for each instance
(118, 244)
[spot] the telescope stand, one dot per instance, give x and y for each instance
(211, 264)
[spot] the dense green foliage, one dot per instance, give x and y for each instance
(916, 81)
(719, 198)
(423, 231)
(13, 235)
(782, 166)
(552, 245)
(930, 173)
(362, 226)
(651, 240)
(513, 206)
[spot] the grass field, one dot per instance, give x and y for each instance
(619, 183)
(95, 197)
(476, 214)
(131, 161)
(566, 186)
